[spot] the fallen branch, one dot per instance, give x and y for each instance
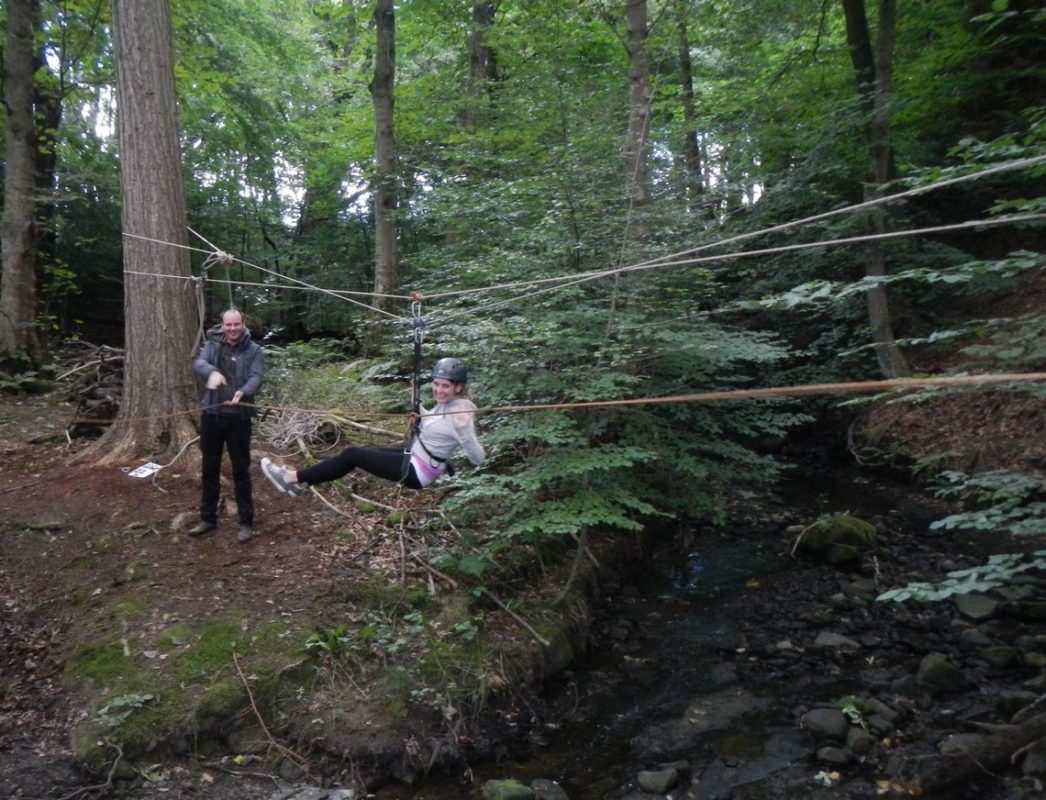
(992, 756)
(329, 504)
(376, 541)
(361, 426)
(101, 788)
(300, 762)
(89, 364)
(361, 499)
(433, 571)
(575, 567)
(517, 618)
(403, 559)
(1029, 710)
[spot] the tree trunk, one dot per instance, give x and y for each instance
(692, 180)
(875, 87)
(638, 116)
(48, 96)
(482, 64)
(18, 332)
(159, 391)
(386, 274)
(636, 177)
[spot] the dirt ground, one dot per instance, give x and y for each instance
(69, 531)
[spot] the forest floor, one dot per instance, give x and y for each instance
(78, 540)
(74, 534)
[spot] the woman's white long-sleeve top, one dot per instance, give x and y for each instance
(443, 429)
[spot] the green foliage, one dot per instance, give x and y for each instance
(18, 374)
(116, 711)
(315, 385)
(1001, 500)
(567, 470)
(328, 643)
(976, 278)
(998, 571)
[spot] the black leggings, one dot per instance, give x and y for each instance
(390, 463)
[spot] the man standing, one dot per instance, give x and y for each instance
(233, 367)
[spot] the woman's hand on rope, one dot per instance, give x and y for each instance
(413, 421)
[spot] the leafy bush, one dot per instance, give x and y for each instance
(998, 571)
(1001, 500)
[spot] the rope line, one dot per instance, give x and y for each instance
(567, 281)
(1003, 167)
(250, 283)
(168, 244)
(672, 259)
(586, 277)
(226, 256)
(853, 387)
(1009, 165)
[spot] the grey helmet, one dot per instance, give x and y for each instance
(450, 369)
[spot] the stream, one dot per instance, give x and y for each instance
(665, 686)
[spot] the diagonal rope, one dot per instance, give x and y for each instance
(671, 260)
(585, 278)
(1009, 165)
(219, 255)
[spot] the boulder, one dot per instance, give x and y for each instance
(938, 673)
(826, 723)
(960, 743)
(659, 781)
(975, 606)
(1028, 610)
(828, 640)
(545, 789)
(841, 529)
(859, 741)
(1001, 656)
(836, 756)
(508, 789)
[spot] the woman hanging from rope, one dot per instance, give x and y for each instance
(439, 432)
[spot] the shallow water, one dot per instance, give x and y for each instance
(678, 639)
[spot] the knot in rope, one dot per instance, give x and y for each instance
(218, 257)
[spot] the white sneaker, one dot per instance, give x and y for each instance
(277, 476)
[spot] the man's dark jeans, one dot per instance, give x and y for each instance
(234, 433)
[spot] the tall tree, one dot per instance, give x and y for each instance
(482, 63)
(873, 68)
(639, 93)
(18, 333)
(158, 311)
(691, 149)
(386, 272)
